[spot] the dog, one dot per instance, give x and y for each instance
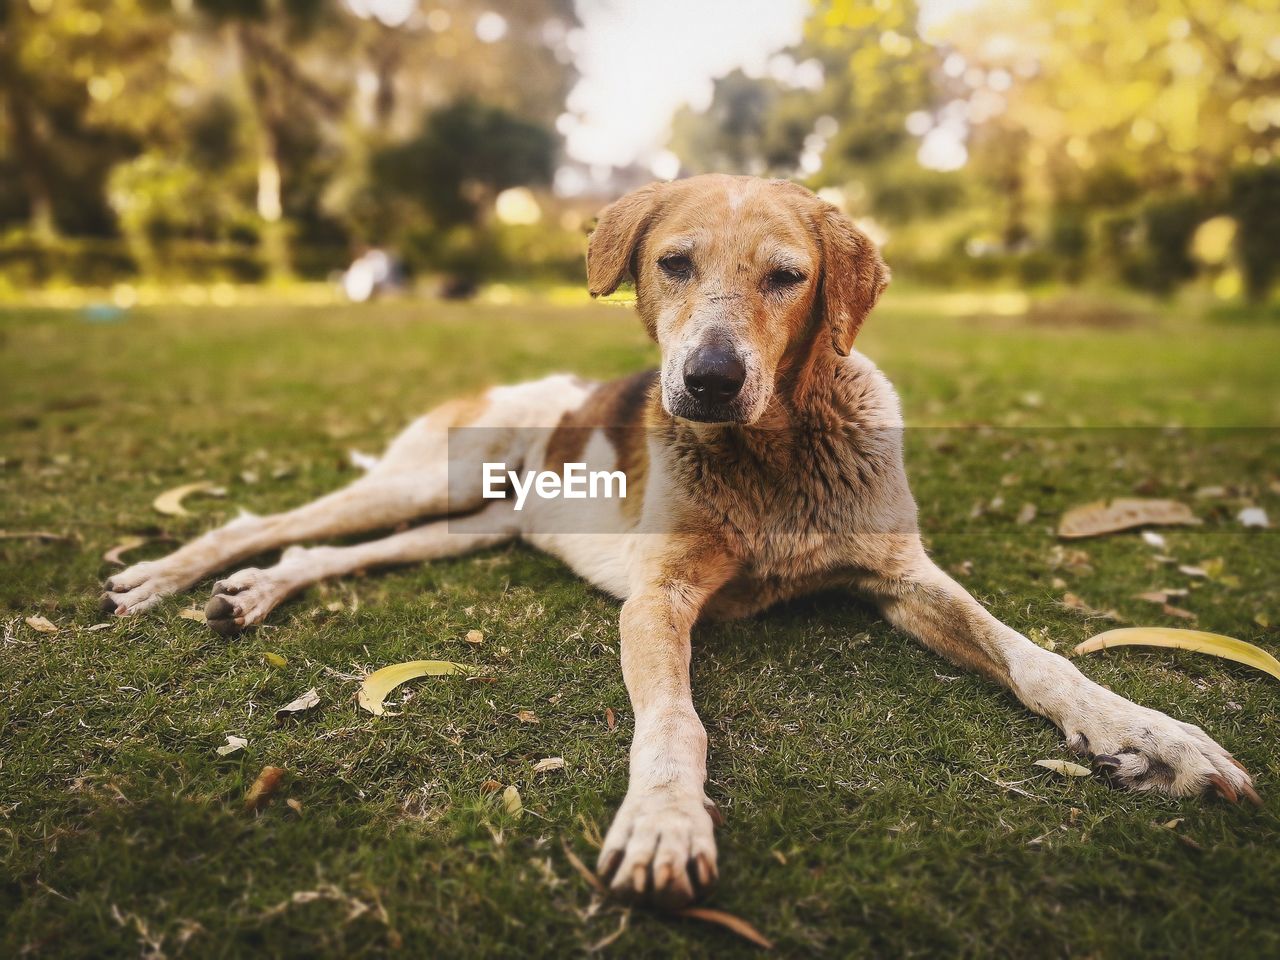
(763, 461)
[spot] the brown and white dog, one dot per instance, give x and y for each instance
(763, 461)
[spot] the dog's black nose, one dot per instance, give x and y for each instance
(714, 374)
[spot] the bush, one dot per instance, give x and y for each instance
(1169, 224)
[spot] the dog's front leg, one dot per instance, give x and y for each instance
(661, 845)
(1143, 748)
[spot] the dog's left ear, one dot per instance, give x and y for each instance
(853, 277)
(613, 242)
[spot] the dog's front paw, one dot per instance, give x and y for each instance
(1143, 749)
(661, 848)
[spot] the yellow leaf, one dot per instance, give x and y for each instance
(274, 659)
(170, 502)
(42, 624)
(1102, 517)
(475, 637)
(193, 614)
(1196, 641)
(377, 685)
(1064, 767)
(511, 801)
(115, 554)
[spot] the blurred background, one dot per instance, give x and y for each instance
(356, 148)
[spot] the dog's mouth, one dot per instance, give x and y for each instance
(686, 407)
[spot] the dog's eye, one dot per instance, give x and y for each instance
(676, 265)
(786, 277)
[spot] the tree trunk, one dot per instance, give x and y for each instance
(275, 240)
(33, 163)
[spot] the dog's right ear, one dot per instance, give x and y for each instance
(617, 234)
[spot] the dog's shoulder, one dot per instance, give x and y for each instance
(863, 396)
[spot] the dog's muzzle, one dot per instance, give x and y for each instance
(713, 377)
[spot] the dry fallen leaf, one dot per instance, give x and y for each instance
(265, 785)
(1254, 517)
(490, 786)
(274, 659)
(377, 685)
(547, 764)
(234, 744)
(193, 614)
(1073, 602)
(115, 554)
(527, 716)
(1026, 514)
(1170, 610)
(1153, 539)
(44, 535)
(294, 805)
(511, 801)
(1064, 767)
(307, 701)
(727, 920)
(610, 720)
(42, 624)
(1101, 516)
(1196, 641)
(170, 502)
(475, 636)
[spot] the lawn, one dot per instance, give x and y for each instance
(877, 800)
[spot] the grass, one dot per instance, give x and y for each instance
(860, 777)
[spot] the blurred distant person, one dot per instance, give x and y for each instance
(373, 273)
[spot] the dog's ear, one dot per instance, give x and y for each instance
(617, 234)
(853, 277)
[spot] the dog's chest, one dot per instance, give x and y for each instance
(786, 504)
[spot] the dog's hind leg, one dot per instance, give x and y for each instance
(412, 480)
(371, 503)
(246, 597)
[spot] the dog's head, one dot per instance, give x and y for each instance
(736, 277)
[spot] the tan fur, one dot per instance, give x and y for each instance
(802, 488)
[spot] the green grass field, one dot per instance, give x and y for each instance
(866, 784)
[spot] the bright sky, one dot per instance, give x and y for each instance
(640, 60)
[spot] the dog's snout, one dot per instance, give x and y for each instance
(714, 374)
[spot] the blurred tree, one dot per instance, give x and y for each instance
(833, 112)
(1255, 203)
(54, 151)
(453, 170)
(270, 40)
(753, 125)
(1118, 109)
